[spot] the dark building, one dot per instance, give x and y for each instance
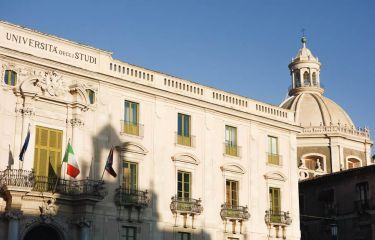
(339, 206)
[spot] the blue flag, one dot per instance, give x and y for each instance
(25, 144)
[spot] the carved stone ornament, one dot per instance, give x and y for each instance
(76, 122)
(52, 83)
(83, 222)
(26, 111)
(48, 207)
(13, 214)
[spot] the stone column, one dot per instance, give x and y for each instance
(84, 226)
(14, 216)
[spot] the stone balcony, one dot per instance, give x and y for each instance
(277, 218)
(186, 207)
(132, 198)
(234, 214)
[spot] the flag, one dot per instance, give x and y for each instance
(109, 163)
(25, 144)
(69, 158)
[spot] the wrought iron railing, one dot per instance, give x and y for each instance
(277, 217)
(131, 128)
(76, 188)
(234, 212)
(274, 158)
(17, 178)
(131, 197)
(232, 149)
(186, 205)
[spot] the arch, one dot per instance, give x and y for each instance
(51, 224)
(297, 78)
(314, 82)
(318, 157)
(80, 94)
(306, 78)
(353, 162)
(233, 168)
(132, 147)
(275, 175)
(43, 232)
(185, 158)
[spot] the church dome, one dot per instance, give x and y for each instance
(313, 109)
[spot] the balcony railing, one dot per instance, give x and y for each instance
(186, 206)
(234, 212)
(231, 149)
(131, 128)
(74, 188)
(364, 205)
(132, 198)
(274, 159)
(277, 217)
(360, 132)
(185, 140)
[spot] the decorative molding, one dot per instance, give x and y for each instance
(185, 158)
(83, 222)
(77, 122)
(14, 214)
(233, 168)
(26, 111)
(48, 208)
(132, 147)
(278, 176)
(52, 83)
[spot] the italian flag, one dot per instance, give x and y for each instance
(72, 165)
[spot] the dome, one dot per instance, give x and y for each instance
(313, 109)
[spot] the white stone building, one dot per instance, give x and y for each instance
(193, 162)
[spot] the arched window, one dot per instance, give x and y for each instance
(314, 79)
(10, 77)
(313, 164)
(306, 78)
(91, 95)
(353, 163)
(297, 79)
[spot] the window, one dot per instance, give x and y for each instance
(183, 130)
(231, 190)
(47, 156)
(363, 193)
(297, 79)
(91, 95)
(314, 79)
(130, 176)
(231, 141)
(275, 204)
(306, 79)
(183, 185)
(128, 233)
(184, 236)
(353, 163)
(131, 118)
(10, 78)
(273, 151)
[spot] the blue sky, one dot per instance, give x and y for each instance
(238, 46)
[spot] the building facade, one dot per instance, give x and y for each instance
(339, 205)
(192, 162)
(329, 141)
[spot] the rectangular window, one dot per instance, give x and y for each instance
(128, 233)
(130, 176)
(275, 204)
(183, 130)
(231, 140)
(183, 185)
(231, 190)
(131, 118)
(273, 151)
(363, 192)
(184, 236)
(47, 156)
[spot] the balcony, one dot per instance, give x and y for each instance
(186, 206)
(229, 212)
(132, 198)
(130, 128)
(188, 141)
(75, 189)
(274, 159)
(277, 218)
(363, 205)
(231, 149)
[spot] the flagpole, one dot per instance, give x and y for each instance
(106, 162)
(58, 177)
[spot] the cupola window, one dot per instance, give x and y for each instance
(10, 78)
(306, 78)
(297, 79)
(314, 79)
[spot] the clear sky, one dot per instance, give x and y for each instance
(240, 46)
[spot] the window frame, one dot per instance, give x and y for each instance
(126, 236)
(8, 73)
(233, 199)
(183, 191)
(127, 181)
